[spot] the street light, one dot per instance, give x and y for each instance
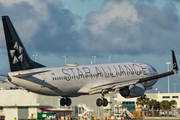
(174, 87)
(156, 89)
(94, 58)
(65, 56)
(168, 63)
(35, 57)
(110, 58)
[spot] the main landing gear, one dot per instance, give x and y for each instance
(143, 97)
(65, 101)
(102, 101)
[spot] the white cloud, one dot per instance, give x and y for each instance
(120, 13)
(27, 15)
(131, 28)
(120, 27)
(111, 29)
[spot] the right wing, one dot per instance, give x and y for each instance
(112, 86)
(158, 76)
(118, 85)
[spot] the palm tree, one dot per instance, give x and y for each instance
(153, 104)
(146, 102)
(166, 105)
(140, 102)
(173, 104)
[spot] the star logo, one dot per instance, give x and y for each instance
(19, 50)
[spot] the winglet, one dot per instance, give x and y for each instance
(175, 65)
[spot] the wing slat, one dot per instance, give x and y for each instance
(111, 86)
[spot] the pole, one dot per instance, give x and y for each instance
(94, 58)
(168, 63)
(174, 87)
(65, 58)
(35, 57)
(110, 58)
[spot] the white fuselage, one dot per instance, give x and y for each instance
(78, 80)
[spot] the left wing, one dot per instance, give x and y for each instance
(117, 86)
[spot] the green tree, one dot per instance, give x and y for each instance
(123, 106)
(173, 103)
(140, 102)
(153, 104)
(166, 105)
(146, 102)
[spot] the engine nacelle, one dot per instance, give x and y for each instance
(136, 91)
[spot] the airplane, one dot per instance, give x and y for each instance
(130, 79)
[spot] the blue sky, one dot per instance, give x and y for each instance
(137, 30)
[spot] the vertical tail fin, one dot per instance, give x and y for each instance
(18, 57)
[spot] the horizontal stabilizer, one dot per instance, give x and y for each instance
(3, 75)
(21, 75)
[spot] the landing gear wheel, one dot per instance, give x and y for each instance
(105, 102)
(62, 102)
(68, 101)
(143, 96)
(99, 102)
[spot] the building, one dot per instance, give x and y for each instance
(156, 96)
(21, 104)
(165, 96)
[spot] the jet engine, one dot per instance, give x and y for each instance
(132, 91)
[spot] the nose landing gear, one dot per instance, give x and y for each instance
(65, 101)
